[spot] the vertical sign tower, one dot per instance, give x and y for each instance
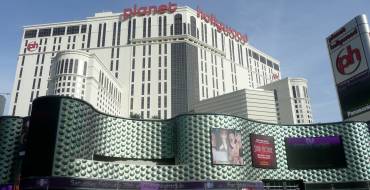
(349, 50)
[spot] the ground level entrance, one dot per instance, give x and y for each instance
(283, 184)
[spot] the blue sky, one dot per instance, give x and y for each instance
(292, 31)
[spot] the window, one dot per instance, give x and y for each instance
(129, 31)
(142, 102)
(85, 68)
(33, 83)
(59, 31)
(70, 66)
(20, 72)
(132, 103)
(160, 26)
(76, 66)
(133, 64)
(178, 24)
(83, 28)
(149, 27)
(39, 83)
(164, 26)
(269, 63)
(89, 37)
(66, 66)
(119, 33)
(104, 32)
(19, 84)
(165, 101)
(294, 92)
(114, 34)
(133, 28)
(73, 29)
(30, 34)
(44, 32)
(35, 71)
(144, 27)
(193, 26)
(99, 34)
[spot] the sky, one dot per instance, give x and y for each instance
(291, 31)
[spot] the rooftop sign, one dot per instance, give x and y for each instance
(228, 31)
(145, 11)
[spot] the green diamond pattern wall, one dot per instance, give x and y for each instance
(186, 138)
(83, 133)
(10, 131)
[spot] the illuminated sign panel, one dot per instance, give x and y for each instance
(263, 151)
(349, 50)
(144, 11)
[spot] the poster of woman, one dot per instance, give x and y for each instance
(226, 146)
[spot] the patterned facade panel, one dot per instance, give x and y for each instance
(10, 132)
(84, 132)
(93, 145)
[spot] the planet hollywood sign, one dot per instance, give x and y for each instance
(172, 7)
(145, 11)
(228, 31)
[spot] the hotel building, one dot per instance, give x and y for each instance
(165, 59)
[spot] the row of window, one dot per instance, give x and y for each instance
(109, 86)
(297, 92)
(263, 59)
(57, 31)
(69, 66)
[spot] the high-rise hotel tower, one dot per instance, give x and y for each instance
(155, 61)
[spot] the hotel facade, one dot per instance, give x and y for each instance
(165, 59)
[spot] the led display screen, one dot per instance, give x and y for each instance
(315, 152)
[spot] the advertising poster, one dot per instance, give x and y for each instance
(349, 50)
(315, 152)
(263, 151)
(226, 146)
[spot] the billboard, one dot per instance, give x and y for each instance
(349, 50)
(263, 151)
(226, 146)
(315, 152)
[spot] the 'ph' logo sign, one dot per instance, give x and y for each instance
(32, 46)
(346, 64)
